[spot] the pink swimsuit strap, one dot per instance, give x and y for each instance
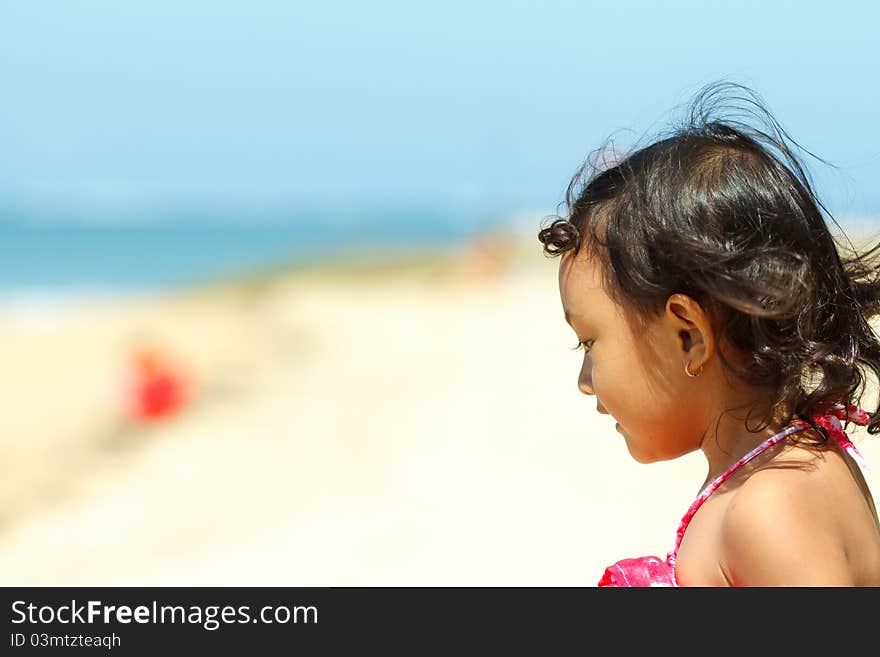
(830, 421)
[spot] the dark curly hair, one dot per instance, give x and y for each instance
(723, 211)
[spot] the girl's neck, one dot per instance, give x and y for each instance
(733, 440)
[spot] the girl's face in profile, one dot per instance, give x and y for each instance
(635, 372)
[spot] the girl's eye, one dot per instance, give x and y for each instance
(586, 345)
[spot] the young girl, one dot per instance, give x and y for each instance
(717, 313)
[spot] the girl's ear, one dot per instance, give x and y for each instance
(693, 330)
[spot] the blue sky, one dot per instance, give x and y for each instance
(487, 104)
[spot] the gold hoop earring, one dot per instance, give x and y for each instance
(688, 372)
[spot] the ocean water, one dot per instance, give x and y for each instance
(49, 255)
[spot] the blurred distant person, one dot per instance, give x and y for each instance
(157, 387)
(486, 257)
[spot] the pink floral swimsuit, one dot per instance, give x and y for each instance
(652, 571)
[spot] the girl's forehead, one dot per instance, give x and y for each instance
(578, 272)
(580, 285)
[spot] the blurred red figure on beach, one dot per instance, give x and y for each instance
(158, 388)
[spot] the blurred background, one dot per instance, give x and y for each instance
(272, 306)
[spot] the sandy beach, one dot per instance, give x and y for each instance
(410, 419)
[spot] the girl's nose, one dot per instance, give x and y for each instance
(585, 378)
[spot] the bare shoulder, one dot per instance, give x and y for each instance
(799, 520)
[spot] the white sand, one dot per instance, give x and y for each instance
(417, 427)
